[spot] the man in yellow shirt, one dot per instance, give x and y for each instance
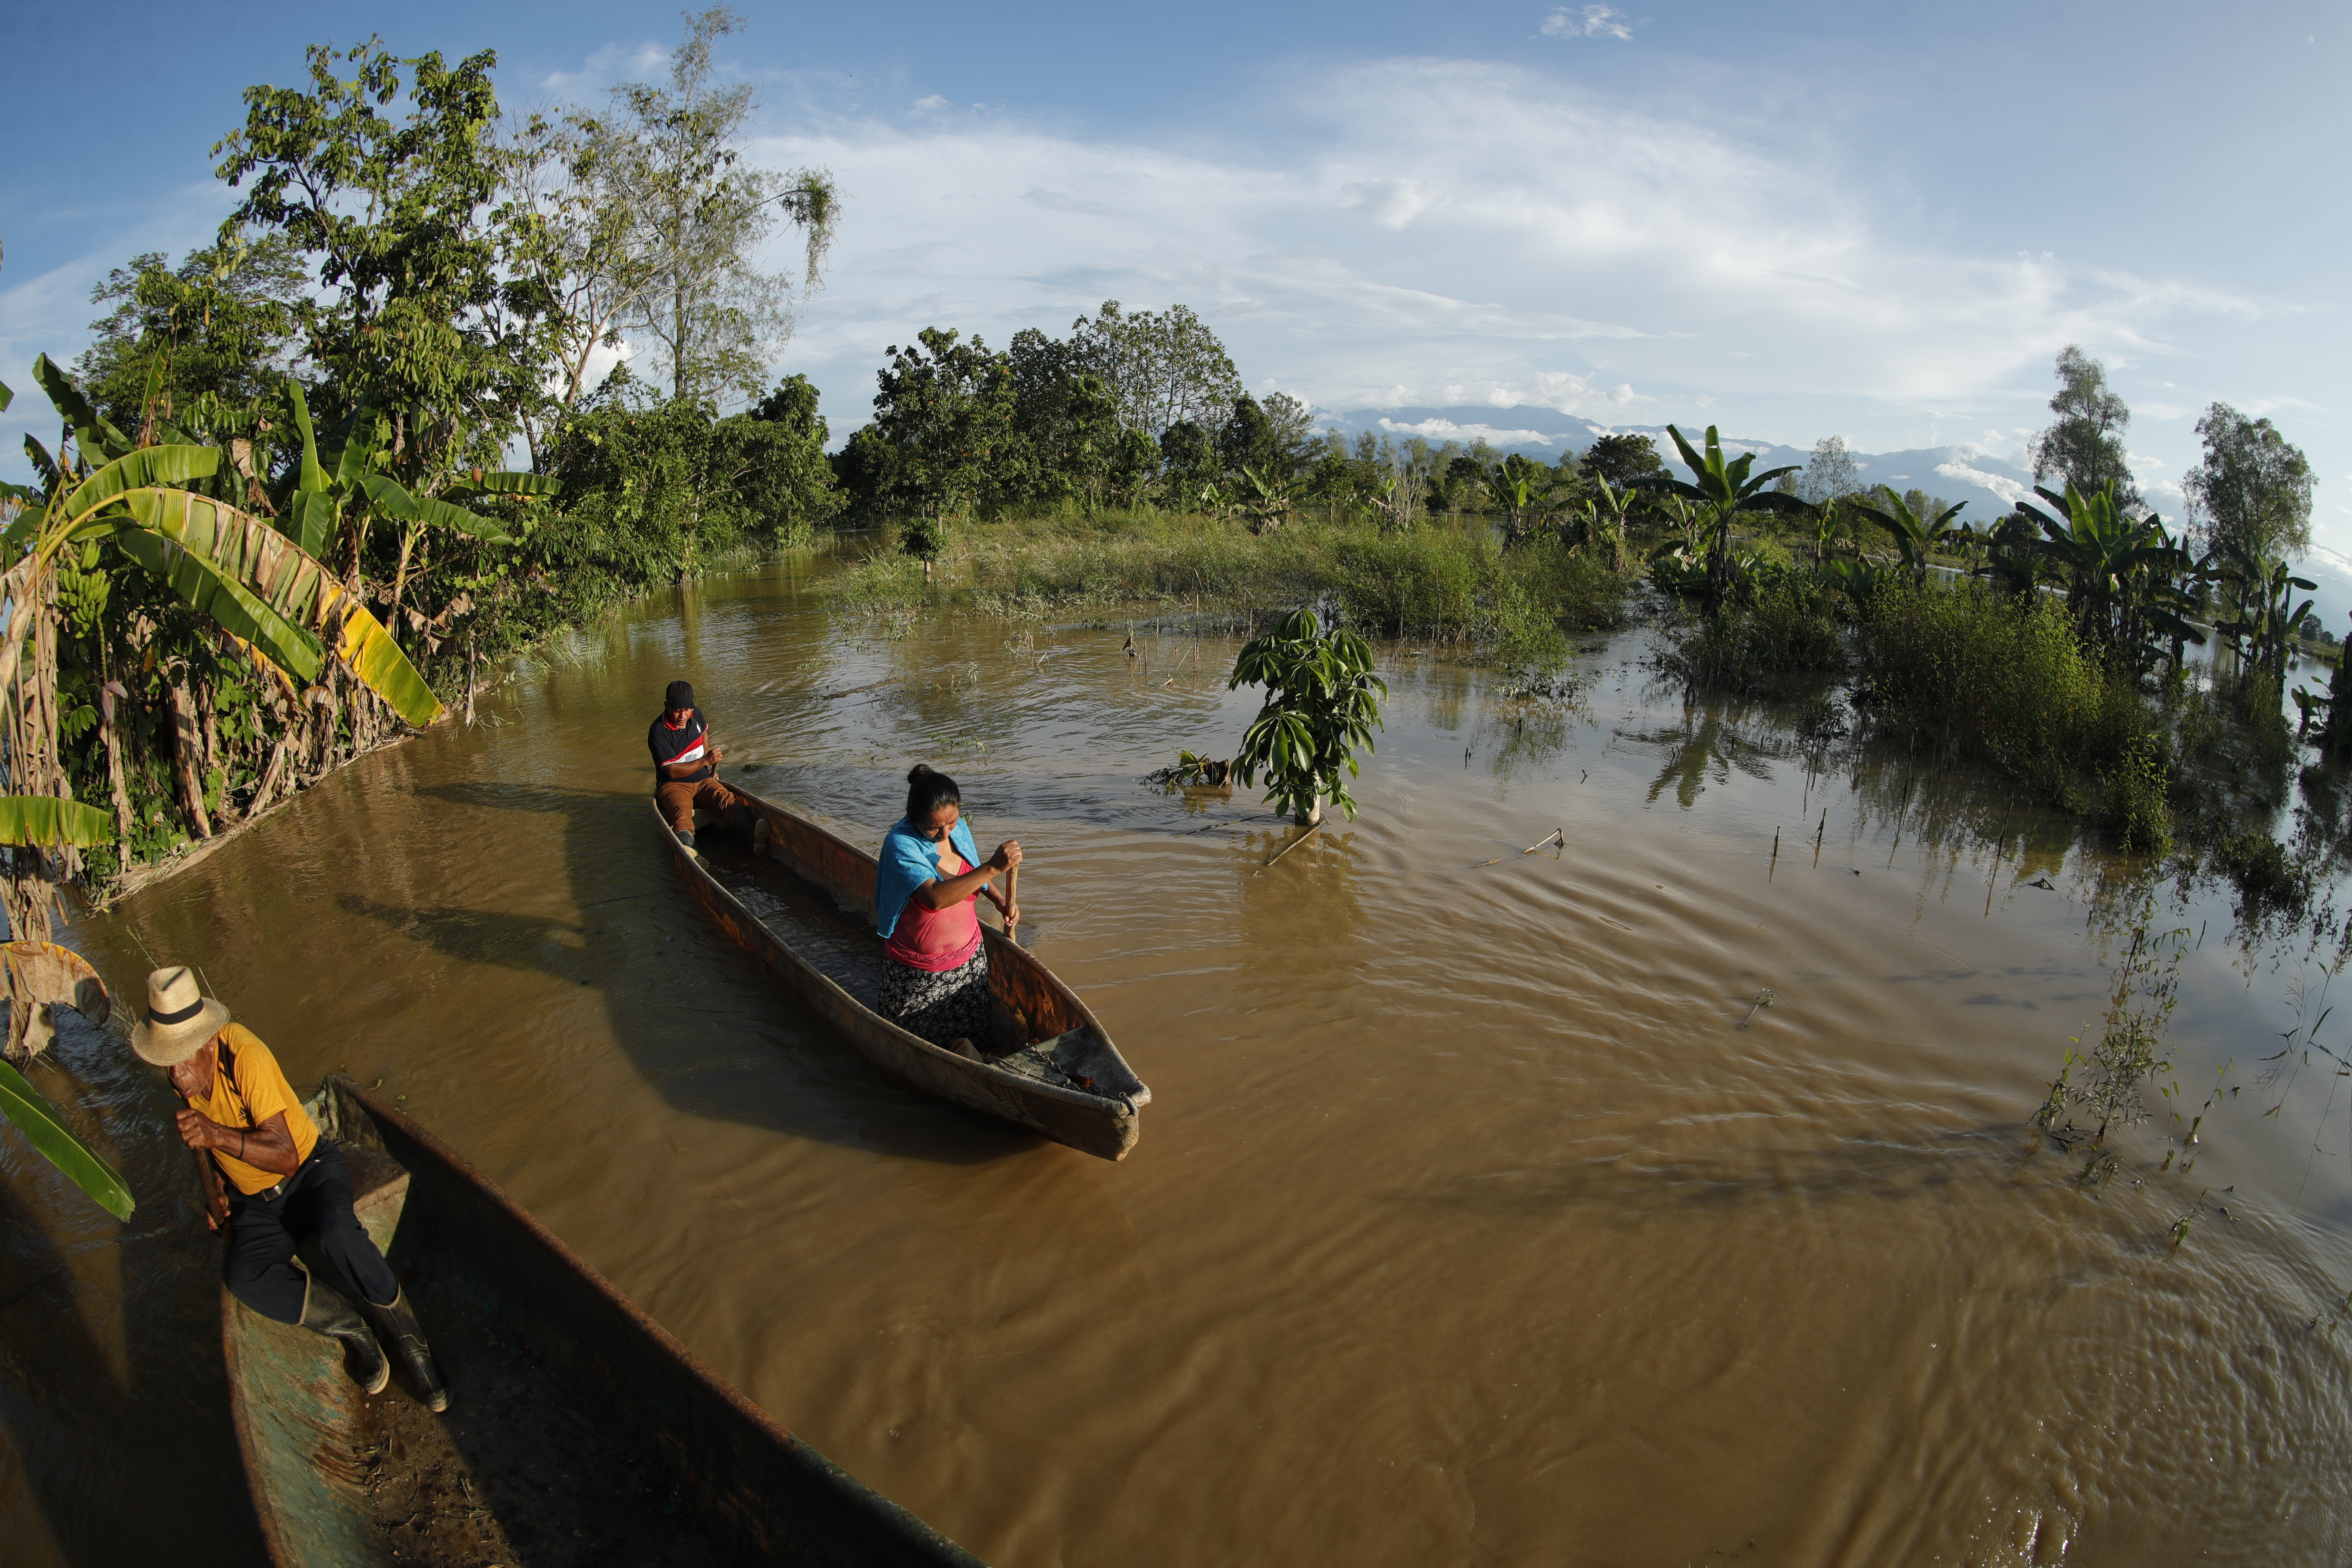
(288, 1185)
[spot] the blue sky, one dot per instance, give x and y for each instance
(1881, 221)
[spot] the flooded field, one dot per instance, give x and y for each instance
(1481, 1213)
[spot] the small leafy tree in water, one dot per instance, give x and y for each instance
(1322, 702)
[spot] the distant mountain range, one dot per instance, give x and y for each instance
(1989, 483)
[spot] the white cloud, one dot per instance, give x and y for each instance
(1054, 201)
(1442, 430)
(614, 62)
(1421, 227)
(2007, 489)
(1593, 22)
(932, 103)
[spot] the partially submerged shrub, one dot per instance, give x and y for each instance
(1781, 635)
(2006, 680)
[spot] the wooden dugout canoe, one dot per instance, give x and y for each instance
(567, 1404)
(1054, 1070)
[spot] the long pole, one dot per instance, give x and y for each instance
(1011, 899)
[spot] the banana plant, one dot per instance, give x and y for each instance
(1915, 536)
(247, 578)
(328, 497)
(2111, 561)
(1723, 488)
(1266, 503)
(1322, 702)
(1523, 493)
(1859, 581)
(2268, 614)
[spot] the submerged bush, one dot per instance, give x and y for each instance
(1986, 675)
(1784, 635)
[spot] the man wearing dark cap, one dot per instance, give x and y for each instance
(685, 767)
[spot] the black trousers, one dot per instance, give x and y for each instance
(312, 1206)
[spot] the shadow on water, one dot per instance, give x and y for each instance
(622, 945)
(113, 1393)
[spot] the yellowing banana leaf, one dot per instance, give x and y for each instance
(39, 1120)
(6, 397)
(46, 819)
(377, 660)
(147, 466)
(246, 551)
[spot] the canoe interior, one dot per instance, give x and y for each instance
(579, 1430)
(808, 914)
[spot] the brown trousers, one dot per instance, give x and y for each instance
(681, 798)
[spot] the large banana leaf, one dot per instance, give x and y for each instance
(147, 466)
(310, 477)
(96, 438)
(43, 464)
(396, 503)
(507, 482)
(358, 433)
(46, 819)
(201, 583)
(377, 660)
(246, 551)
(310, 519)
(39, 1120)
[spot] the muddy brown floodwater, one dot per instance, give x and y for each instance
(1469, 1224)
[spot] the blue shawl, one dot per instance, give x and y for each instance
(909, 860)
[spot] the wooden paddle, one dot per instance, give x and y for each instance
(1011, 880)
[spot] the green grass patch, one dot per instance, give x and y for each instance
(1443, 583)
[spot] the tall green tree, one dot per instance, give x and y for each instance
(2084, 446)
(2252, 490)
(396, 210)
(669, 159)
(947, 407)
(1160, 368)
(1830, 474)
(1623, 460)
(190, 343)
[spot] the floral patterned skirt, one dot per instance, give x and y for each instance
(940, 1005)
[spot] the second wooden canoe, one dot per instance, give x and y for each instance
(1051, 1068)
(579, 1431)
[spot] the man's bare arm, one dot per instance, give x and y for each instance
(268, 1147)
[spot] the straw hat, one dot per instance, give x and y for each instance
(180, 1018)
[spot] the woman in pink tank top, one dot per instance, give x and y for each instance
(935, 969)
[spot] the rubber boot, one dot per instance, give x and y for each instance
(325, 1312)
(397, 1323)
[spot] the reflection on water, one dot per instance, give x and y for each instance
(1474, 1219)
